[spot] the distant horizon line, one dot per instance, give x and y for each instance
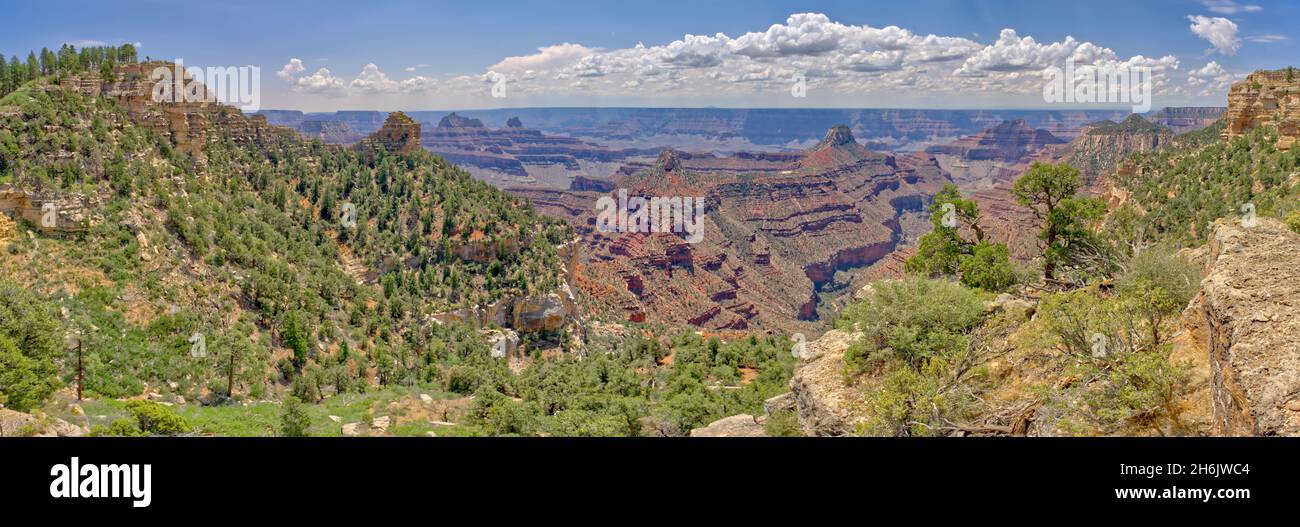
(1034, 109)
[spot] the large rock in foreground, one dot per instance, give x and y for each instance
(827, 405)
(742, 425)
(1248, 318)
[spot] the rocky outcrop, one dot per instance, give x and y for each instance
(669, 160)
(742, 425)
(8, 230)
(1099, 149)
(1247, 319)
(838, 151)
(1009, 141)
(1266, 98)
(514, 122)
(399, 134)
(503, 342)
(550, 312)
(15, 424)
(1183, 119)
(456, 121)
(50, 211)
(189, 124)
(838, 135)
(826, 404)
(336, 132)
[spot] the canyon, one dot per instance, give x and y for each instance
(734, 129)
(783, 230)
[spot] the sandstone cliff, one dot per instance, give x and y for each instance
(455, 121)
(336, 132)
(1102, 145)
(1183, 119)
(1247, 319)
(550, 312)
(1008, 141)
(66, 212)
(1266, 98)
(189, 125)
(399, 134)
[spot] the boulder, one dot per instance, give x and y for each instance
(780, 403)
(503, 342)
(1246, 319)
(13, 423)
(827, 405)
(1006, 301)
(742, 425)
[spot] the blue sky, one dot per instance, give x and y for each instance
(449, 54)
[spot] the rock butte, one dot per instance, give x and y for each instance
(1265, 98)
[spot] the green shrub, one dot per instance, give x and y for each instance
(29, 347)
(783, 424)
(1156, 285)
(988, 267)
(1293, 220)
(118, 428)
(294, 422)
(1144, 390)
(157, 419)
(911, 320)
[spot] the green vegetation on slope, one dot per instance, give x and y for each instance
(220, 283)
(1199, 178)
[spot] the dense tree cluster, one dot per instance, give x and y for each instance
(1184, 187)
(423, 237)
(68, 59)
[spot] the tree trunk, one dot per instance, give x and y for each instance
(230, 376)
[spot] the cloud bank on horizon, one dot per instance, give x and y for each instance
(841, 64)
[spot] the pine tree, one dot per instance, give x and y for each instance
(1049, 192)
(16, 72)
(46, 61)
(295, 421)
(33, 67)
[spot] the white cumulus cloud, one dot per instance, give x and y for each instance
(294, 67)
(1218, 31)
